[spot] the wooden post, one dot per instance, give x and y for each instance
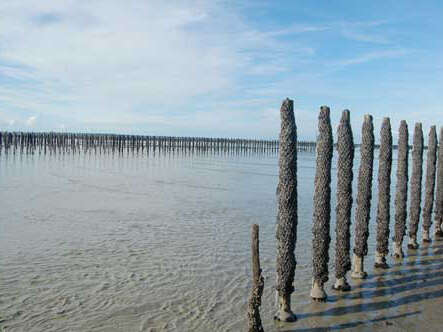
(287, 212)
(384, 194)
(416, 178)
(439, 196)
(430, 183)
(364, 195)
(254, 303)
(345, 147)
(322, 206)
(401, 196)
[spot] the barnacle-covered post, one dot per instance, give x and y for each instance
(416, 179)
(287, 212)
(430, 183)
(364, 195)
(322, 206)
(345, 147)
(384, 194)
(439, 197)
(254, 320)
(401, 196)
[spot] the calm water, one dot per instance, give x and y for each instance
(103, 242)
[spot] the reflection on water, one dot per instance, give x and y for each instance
(144, 242)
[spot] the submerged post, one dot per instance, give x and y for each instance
(287, 212)
(401, 196)
(430, 184)
(384, 194)
(416, 178)
(439, 197)
(254, 303)
(345, 147)
(322, 206)
(364, 195)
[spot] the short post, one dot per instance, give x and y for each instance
(384, 194)
(345, 147)
(416, 178)
(430, 184)
(401, 196)
(322, 206)
(364, 195)
(254, 303)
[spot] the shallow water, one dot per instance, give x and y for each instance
(138, 242)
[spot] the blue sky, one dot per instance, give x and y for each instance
(217, 68)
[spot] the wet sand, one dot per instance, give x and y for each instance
(407, 297)
(161, 243)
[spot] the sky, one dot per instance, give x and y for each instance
(217, 68)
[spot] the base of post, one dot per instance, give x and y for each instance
(380, 261)
(358, 268)
(426, 236)
(398, 251)
(318, 292)
(285, 313)
(341, 285)
(412, 244)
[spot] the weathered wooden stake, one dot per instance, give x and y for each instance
(430, 184)
(345, 147)
(416, 179)
(322, 206)
(384, 194)
(364, 195)
(287, 212)
(401, 196)
(439, 196)
(254, 303)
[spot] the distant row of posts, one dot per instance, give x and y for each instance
(31, 142)
(287, 217)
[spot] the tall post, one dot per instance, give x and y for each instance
(287, 212)
(384, 194)
(254, 303)
(439, 197)
(401, 196)
(416, 179)
(322, 206)
(345, 147)
(364, 195)
(430, 183)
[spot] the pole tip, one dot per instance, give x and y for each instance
(346, 115)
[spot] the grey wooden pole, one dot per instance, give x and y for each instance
(401, 196)
(364, 195)
(384, 194)
(287, 212)
(322, 206)
(431, 163)
(345, 147)
(416, 179)
(254, 320)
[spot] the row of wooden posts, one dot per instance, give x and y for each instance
(64, 142)
(287, 218)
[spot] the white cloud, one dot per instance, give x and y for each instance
(370, 56)
(101, 60)
(169, 66)
(30, 122)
